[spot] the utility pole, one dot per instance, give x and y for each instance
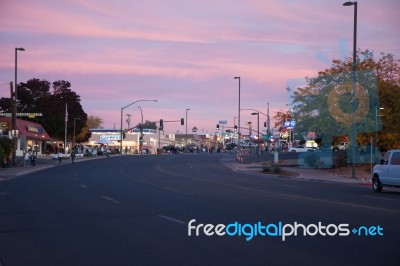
(128, 120)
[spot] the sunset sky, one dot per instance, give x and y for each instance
(185, 53)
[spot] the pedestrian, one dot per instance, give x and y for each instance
(26, 158)
(59, 157)
(73, 157)
(33, 159)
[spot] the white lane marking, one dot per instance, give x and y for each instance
(110, 199)
(4, 193)
(377, 198)
(171, 219)
(83, 186)
(288, 186)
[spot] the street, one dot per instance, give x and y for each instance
(135, 210)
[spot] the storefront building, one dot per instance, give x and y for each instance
(31, 136)
(152, 140)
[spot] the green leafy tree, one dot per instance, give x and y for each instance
(40, 96)
(148, 124)
(325, 104)
(6, 148)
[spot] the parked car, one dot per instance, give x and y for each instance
(301, 148)
(231, 146)
(387, 173)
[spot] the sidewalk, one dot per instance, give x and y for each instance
(41, 164)
(307, 174)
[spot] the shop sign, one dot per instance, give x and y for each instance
(34, 129)
(111, 137)
(290, 124)
(4, 126)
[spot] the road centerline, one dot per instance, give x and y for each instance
(111, 199)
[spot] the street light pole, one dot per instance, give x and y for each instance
(14, 159)
(376, 129)
(75, 118)
(122, 114)
(268, 121)
(234, 131)
(186, 135)
(141, 113)
(353, 105)
(141, 131)
(238, 114)
(258, 135)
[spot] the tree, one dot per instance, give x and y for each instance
(148, 124)
(36, 96)
(281, 117)
(6, 149)
(94, 121)
(325, 104)
(91, 122)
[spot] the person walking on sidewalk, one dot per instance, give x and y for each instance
(73, 157)
(26, 158)
(59, 157)
(33, 159)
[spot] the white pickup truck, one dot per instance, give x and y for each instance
(387, 173)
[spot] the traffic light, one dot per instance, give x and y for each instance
(265, 124)
(161, 124)
(123, 135)
(217, 126)
(141, 140)
(182, 121)
(235, 127)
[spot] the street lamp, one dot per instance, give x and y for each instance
(238, 113)
(141, 113)
(122, 114)
(186, 135)
(75, 118)
(268, 122)
(234, 129)
(15, 108)
(141, 131)
(353, 124)
(258, 134)
(249, 123)
(376, 128)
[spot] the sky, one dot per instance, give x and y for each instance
(185, 53)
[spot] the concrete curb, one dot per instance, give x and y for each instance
(301, 174)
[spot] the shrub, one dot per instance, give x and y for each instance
(276, 169)
(266, 169)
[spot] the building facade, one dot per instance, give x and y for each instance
(30, 136)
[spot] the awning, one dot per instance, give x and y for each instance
(29, 129)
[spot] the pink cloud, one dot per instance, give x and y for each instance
(184, 52)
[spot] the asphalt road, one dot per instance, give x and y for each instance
(135, 210)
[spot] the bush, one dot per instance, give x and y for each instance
(275, 169)
(6, 149)
(266, 169)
